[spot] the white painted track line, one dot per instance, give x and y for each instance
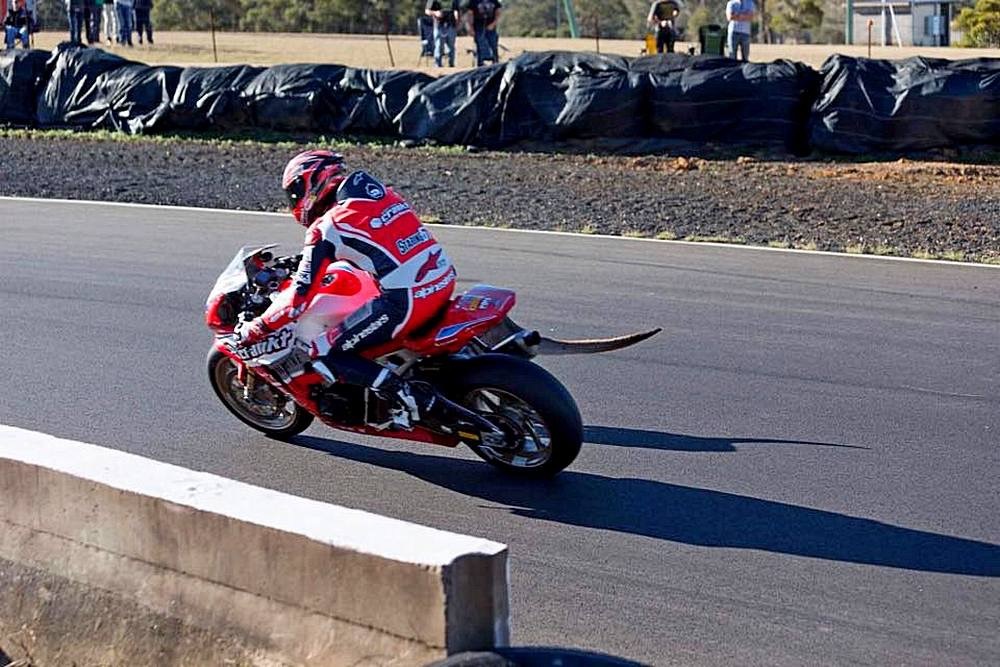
(627, 239)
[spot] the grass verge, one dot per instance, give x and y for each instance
(213, 138)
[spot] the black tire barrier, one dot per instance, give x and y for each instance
(21, 75)
(913, 104)
(852, 105)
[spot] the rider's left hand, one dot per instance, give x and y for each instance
(252, 332)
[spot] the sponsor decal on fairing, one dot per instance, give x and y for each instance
(473, 303)
(274, 343)
(455, 329)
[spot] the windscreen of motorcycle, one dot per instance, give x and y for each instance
(234, 276)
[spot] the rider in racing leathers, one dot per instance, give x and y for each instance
(355, 218)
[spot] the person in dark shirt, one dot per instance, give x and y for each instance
(125, 23)
(89, 10)
(481, 18)
(662, 15)
(17, 25)
(142, 20)
(445, 15)
(74, 13)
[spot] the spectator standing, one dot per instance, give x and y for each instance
(662, 14)
(110, 22)
(481, 18)
(17, 25)
(74, 13)
(32, 7)
(124, 10)
(142, 20)
(97, 19)
(89, 10)
(445, 15)
(740, 14)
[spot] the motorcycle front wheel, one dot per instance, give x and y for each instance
(266, 410)
(531, 406)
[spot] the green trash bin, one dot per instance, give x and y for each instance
(712, 39)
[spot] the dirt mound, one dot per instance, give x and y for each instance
(926, 209)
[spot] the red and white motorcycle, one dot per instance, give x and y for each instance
(514, 414)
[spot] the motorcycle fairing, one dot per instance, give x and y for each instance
(342, 291)
(477, 310)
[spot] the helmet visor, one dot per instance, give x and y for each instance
(296, 193)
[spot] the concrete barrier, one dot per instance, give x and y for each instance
(110, 558)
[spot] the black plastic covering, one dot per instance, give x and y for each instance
(90, 88)
(913, 104)
(209, 98)
(852, 105)
(719, 100)
(372, 99)
(460, 108)
(293, 97)
(556, 95)
(21, 74)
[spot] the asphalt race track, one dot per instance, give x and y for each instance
(801, 469)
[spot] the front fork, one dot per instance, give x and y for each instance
(247, 379)
(243, 376)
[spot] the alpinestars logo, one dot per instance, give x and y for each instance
(410, 242)
(351, 342)
(434, 288)
(432, 263)
(273, 343)
(390, 213)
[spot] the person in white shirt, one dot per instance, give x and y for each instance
(110, 22)
(740, 14)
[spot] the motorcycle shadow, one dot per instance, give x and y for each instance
(685, 514)
(676, 442)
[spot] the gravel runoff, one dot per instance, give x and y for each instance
(918, 208)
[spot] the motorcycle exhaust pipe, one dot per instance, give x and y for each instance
(525, 342)
(555, 346)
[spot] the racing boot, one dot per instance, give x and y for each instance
(408, 405)
(417, 401)
(421, 403)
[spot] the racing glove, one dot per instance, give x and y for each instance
(252, 332)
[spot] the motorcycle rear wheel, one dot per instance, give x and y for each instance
(527, 402)
(268, 411)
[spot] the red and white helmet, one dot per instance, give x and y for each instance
(311, 180)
